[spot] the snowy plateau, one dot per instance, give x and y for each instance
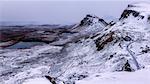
(99, 53)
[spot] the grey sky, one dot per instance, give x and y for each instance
(59, 12)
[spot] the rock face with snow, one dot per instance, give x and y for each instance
(124, 46)
(116, 48)
(121, 47)
(90, 24)
(137, 11)
(91, 20)
(131, 29)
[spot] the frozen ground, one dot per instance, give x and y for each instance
(37, 81)
(17, 65)
(137, 77)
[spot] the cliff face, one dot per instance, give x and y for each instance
(89, 25)
(90, 20)
(139, 12)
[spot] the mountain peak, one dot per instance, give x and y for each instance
(141, 11)
(91, 19)
(90, 24)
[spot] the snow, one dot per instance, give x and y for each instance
(37, 81)
(28, 74)
(142, 11)
(91, 24)
(71, 62)
(137, 77)
(15, 61)
(140, 7)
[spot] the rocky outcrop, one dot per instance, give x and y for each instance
(127, 13)
(104, 40)
(90, 23)
(90, 20)
(140, 11)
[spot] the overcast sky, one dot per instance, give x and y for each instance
(60, 11)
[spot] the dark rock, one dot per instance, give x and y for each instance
(76, 76)
(127, 67)
(112, 23)
(88, 20)
(126, 13)
(102, 41)
(127, 38)
(149, 18)
(146, 50)
(51, 79)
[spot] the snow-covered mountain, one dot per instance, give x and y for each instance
(107, 48)
(88, 26)
(120, 47)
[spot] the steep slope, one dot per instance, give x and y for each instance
(90, 24)
(130, 31)
(121, 47)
